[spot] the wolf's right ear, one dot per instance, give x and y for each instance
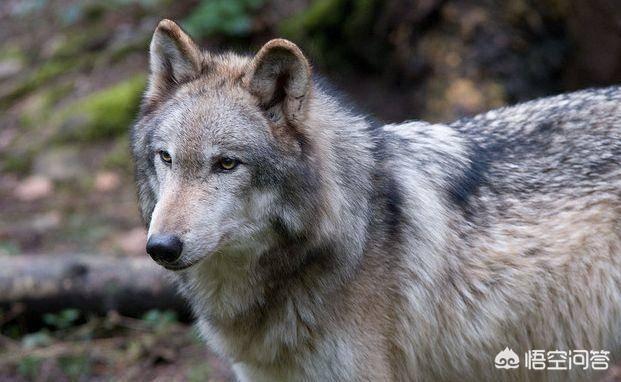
(174, 59)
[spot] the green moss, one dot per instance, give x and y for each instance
(104, 114)
(9, 51)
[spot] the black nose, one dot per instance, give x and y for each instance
(165, 248)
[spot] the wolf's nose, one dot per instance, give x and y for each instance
(164, 248)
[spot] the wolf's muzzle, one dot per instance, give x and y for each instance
(164, 248)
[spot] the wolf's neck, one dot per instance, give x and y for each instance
(345, 165)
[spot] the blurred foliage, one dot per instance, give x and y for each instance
(8, 249)
(38, 339)
(62, 320)
(105, 347)
(38, 78)
(160, 320)
(446, 58)
(29, 367)
(76, 367)
(340, 32)
(222, 17)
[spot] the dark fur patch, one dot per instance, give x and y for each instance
(393, 196)
(466, 184)
(388, 196)
(378, 137)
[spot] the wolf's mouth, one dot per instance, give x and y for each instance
(178, 267)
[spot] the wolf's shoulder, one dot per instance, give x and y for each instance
(555, 144)
(586, 111)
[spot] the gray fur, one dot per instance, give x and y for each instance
(344, 251)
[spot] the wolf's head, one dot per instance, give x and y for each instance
(224, 158)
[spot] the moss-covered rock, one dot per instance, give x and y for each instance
(104, 114)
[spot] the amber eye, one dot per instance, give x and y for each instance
(228, 163)
(165, 156)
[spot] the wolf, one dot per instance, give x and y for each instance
(314, 244)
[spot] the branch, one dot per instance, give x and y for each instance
(91, 283)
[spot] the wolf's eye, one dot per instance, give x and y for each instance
(165, 156)
(228, 163)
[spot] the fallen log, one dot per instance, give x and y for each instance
(32, 285)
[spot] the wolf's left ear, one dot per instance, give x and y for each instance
(174, 59)
(280, 77)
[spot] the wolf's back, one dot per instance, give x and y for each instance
(557, 144)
